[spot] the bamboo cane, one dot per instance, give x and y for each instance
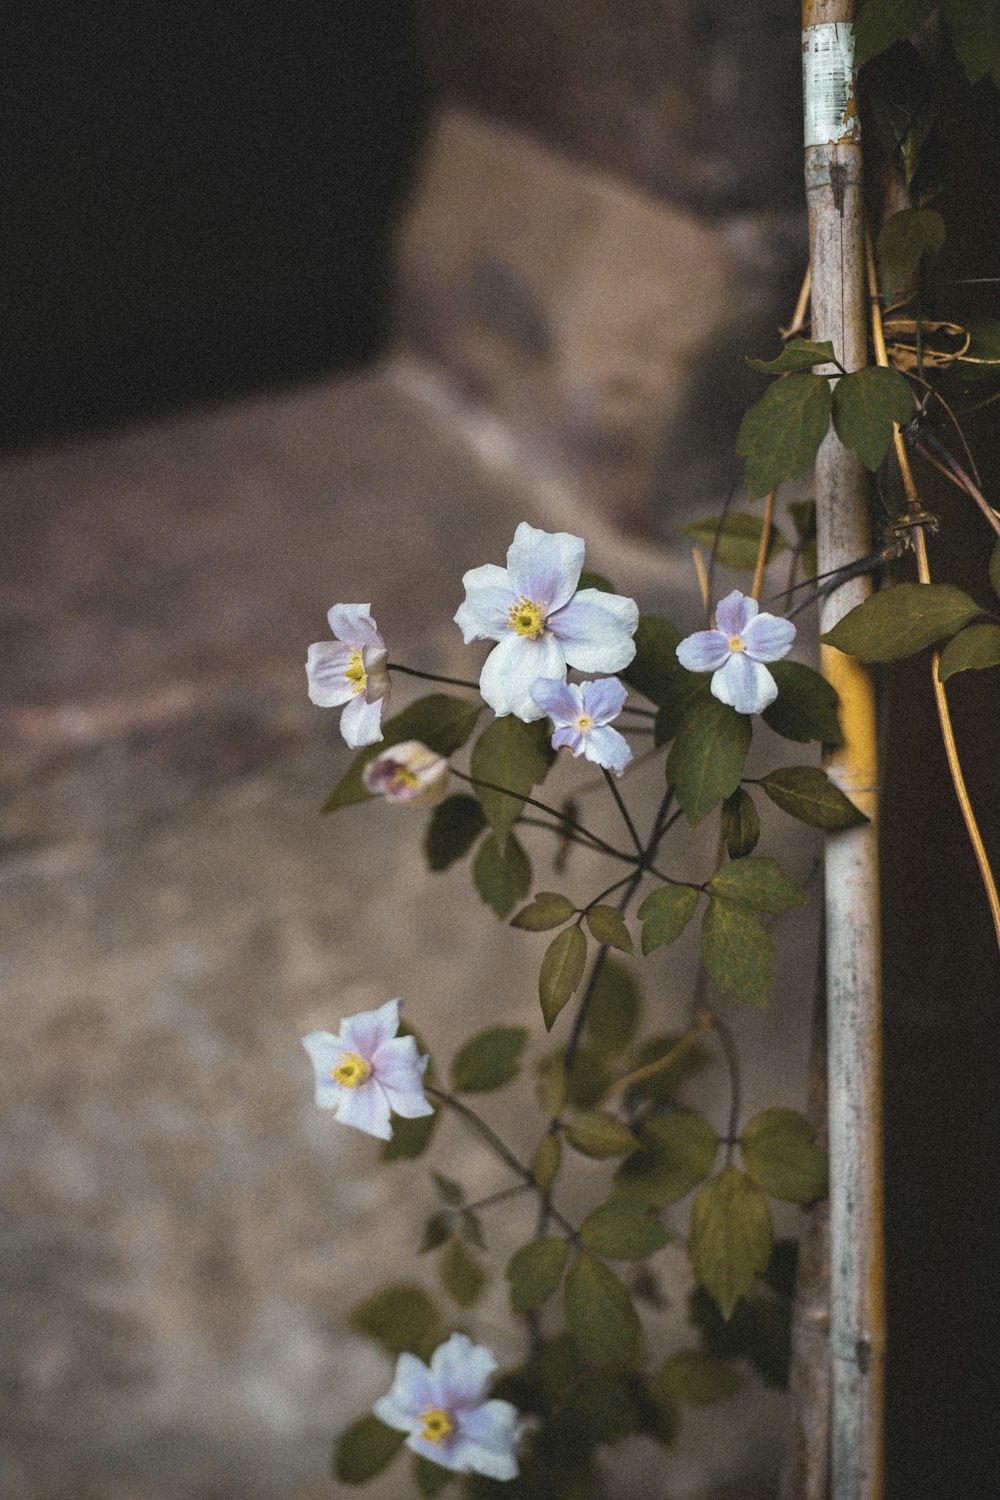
(833, 171)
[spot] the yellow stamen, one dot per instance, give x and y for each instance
(526, 618)
(736, 644)
(352, 1071)
(403, 776)
(437, 1425)
(356, 673)
(584, 722)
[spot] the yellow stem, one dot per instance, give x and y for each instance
(801, 307)
(687, 1041)
(702, 574)
(765, 542)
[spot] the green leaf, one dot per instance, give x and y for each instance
(737, 951)
(798, 354)
(779, 436)
(662, 1087)
(561, 972)
(665, 913)
(758, 882)
(707, 758)
(901, 620)
(759, 1331)
(615, 1007)
(780, 1153)
(402, 1318)
(600, 1315)
(899, 92)
(552, 1086)
(605, 1409)
(678, 1152)
(597, 581)
(687, 691)
(591, 1077)
(903, 240)
(607, 926)
(448, 1191)
(865, 406)
(976, 35)
(600, 1135)
(454, 826)
(431, 1478)
(981, 359)
(695, 1378)
(438, 1228)
(441, 722)
(882, 22)
(740, 824)
(972, 649)
(462, 1277)
(655, 661)
(502, 879)
(510, 754)
(729, 1240)
(410, 1138)
(735, 538)
(622, 1229)
(807, 793)
(535, 1271)
(364, 1449)
(546, 1160)
(803, 514)
(489, 1060)
(548, 909)
(806, 706)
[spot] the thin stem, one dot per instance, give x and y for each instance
(733, 1066)
(637, 841)
(765, 543)
(662, 1064)
(395, 666)
(553, 812)
(500, 1197)
(607, 892)
(801, 307)
(563, 833)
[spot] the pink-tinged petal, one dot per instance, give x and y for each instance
(734, 613)
(545, 566)
(399, 1069)
(489, 594)
(353, 623)
(595, 630)
(512, 667)
(768, 638)
(604, 699)
(462, 1370)
(324, 1051)
(367, 1109)
(369, 1030)
(413, 1390)
(744, 684)
(705, 651)
(377, 685)
(568, 737)
(607, 748)
(488, 1437)
(326, 665)
(562, 701)
(361, 722)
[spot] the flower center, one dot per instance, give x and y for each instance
(355, 673)
(736, 643)
(526, 618)
(352, 1071)
(584, 723)
(437, 1425)
(403, 776)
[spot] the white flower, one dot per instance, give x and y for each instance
(736, 650)
(580, 716)
(541, 622)
(445, 1413)
(351, 670)
(365, 1072)
(409, 772)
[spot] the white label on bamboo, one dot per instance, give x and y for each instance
(828, 83)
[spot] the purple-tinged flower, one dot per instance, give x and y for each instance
(580, 718)
(446, 1414)
(409, 772)
(541, 622)
(351, 670)
(366, 1072)
(735, 652)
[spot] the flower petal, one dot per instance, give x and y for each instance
(734, 613)
(745, 684)
(488, 1437)
(705, 651)
(562, 701)
(595, 630)
(462, 1370)
(353, 623)
(768, 638)
(413, 1390)
(545, 566)
(324, 1049)
(367, 1109)
(326, 667)
(366, 1032)
(489, 594)
(399, 1069)
(513, 666)
(568, 737)
(361, 722)
(374, 661)
(604, 699)
(607, 748)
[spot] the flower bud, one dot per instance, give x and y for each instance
(409, 772)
